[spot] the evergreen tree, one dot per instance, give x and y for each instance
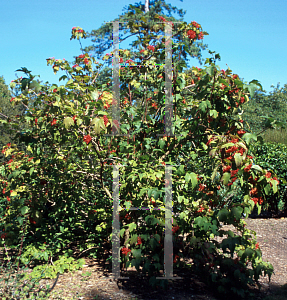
(146, 17)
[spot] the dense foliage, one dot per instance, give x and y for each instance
(263, 109)
(273, 157)
(7, 111)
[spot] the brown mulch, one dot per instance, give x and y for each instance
(95, 282)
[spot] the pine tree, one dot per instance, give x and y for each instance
(145, 16)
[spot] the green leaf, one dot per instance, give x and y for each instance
(182, 215)
(223, 215)
(63, 77)
(127, 204)
(251, 88)
(134, 262)
(249, 136)
(256, 167)
(214, 173)
(151, 220)
(95, 95)
(249, 253)
(221, 80)
(20, 220)
(213, 113)
(45, 255)
(225, 178)
(79, 122)
(101, 113)
(132, 226)
(204, 146)
(241, 181)
(98, 125)
(161, 143)
(238, 159)
(180, 198)
(193, 179)
(274, 186)
(180, 170)
(267, 189)
(31, 171)
(138, 11)
(199, 221)
(68, 121)
(155, 194)
(258, 209)
(236, 212)
(181, 83)
(210, 70)
(134, 239)
(203, 105)
(227, 145)
(24, 210)
(256, 82)
(24, 83)
(157, 237)
(137, 253)
(34, 85)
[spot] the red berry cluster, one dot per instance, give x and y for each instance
(226, 169)
(162, 18)
(106, 121)
(77, 30)
(3, 235)
(175, 229)
(191, 34)
(247, 169)
(151, 48)
(32, 221)
(201, 209)
(87, 139)
(125, 250)
(175, 258)
(139, 241)
(195, 24)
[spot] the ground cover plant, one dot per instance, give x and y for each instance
(62, 184)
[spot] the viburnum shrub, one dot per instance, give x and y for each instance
(63, 185)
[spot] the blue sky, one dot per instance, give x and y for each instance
(249, 35)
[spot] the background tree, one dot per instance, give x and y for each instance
(273, 105)
(145, 15)
(7, 112)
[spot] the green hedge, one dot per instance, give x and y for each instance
(273, 157)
